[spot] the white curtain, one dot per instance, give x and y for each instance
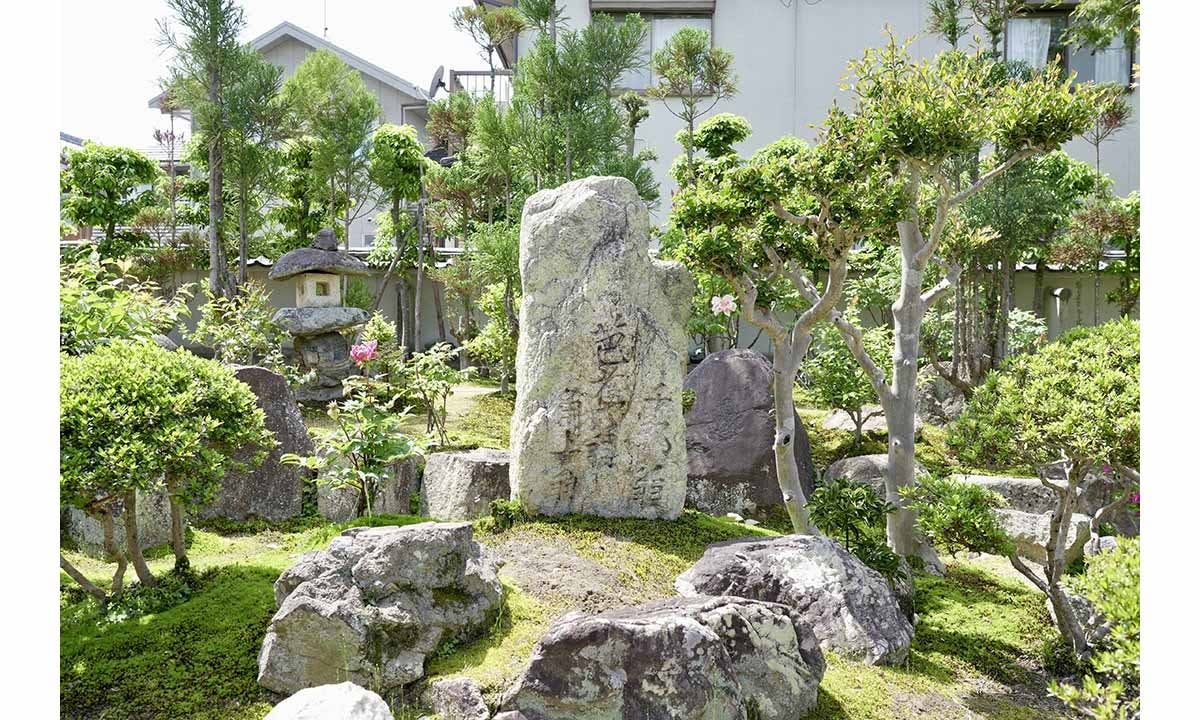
(1029, 40)
(1112, 63)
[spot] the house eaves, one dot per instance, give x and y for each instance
(285, 30)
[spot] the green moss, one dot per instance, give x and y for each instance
(485, 424)
(195, 660)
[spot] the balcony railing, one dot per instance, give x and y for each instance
(479, 84)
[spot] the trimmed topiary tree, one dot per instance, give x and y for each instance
(1074, 403)
(136, 417)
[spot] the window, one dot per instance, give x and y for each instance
(321, 288)
(662, 27)
(369, 240)
(1037, 39)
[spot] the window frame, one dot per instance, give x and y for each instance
(650, 17)
(1065, 12)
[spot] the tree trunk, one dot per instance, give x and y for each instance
(439, 310)
(900, 406)
(91, 588)
(178, 541)
(243, 240)
(1039, 289)
(392, 265)
(112, 550)
(783, 378)
(132, 547)
(216, 205)
(404, 312)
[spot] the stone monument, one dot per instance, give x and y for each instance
(598, 425)
(319, 317)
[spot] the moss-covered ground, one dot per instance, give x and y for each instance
(189, 650)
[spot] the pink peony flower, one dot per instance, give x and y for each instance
(723, 305)
(363, 352)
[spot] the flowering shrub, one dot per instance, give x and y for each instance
(364, 352)
(724, 305)
(359, 451)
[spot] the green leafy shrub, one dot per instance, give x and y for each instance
(957, 515)
(358, 452)
(506, 513)
(1112, 583)
(240, 329)
(100, 302)
(430, 376)
(136, 417)
(357, 294)
(496, 344)
(855, 515)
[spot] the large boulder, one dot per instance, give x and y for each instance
(1030, 495)
(344, 701)
(850, 607)
(730, 436)
(375, 603)
(153, 524)
(679, 658)
(875, 423)
(1024, 494)
(461, 485)
(598, 425)
(1031, 531)
(868, 469)
(272, 491)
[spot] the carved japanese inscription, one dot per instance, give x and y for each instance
(598, 427)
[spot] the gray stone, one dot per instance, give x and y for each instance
(679, 658)
(1100, 489)
(374, 604)
(938, 401)
(153, 524)
(598, 425)
(393, 496)
(1023, 494)
(730, 436)
(1086, 613)
(552, 571)
(876, 423)
(319, 320)
(849, 606)
(272, 491)
(165, 342)
(344, 701)
(1031, 531)
(1098, 545)
(328, 355)
(461, 485)
(1030, 495)
(869, 469)
(455, 699)
(510, 715)
(312, 259)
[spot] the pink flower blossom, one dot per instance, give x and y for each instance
(363, 352)
(723, 305)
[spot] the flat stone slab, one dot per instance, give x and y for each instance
(305, 321)
(598, 426)
(1031, 531)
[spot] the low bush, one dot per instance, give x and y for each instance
(854, 514)
(957, 515)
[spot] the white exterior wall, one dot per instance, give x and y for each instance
(289, 53)
(789, 62)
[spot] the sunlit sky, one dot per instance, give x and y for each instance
(111, 60)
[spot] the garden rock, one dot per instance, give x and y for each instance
(455, 699)
(938, 401)
(153, 524)
(876, 424)
(730, 435)
(375, 603)
(1098, 545)
(462, 485)
(549, 569)
(392, 497)
(272, 491)
(1100, 490)
(1031, 531)
(869, 469)
(1023, 494)
(598, 425)
(680, 658)
(1086, 613)
(849, 606)
(344, 701)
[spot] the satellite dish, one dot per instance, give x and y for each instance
(437, 81)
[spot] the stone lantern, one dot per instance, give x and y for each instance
(319, 317)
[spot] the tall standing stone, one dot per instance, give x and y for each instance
(598, 426)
